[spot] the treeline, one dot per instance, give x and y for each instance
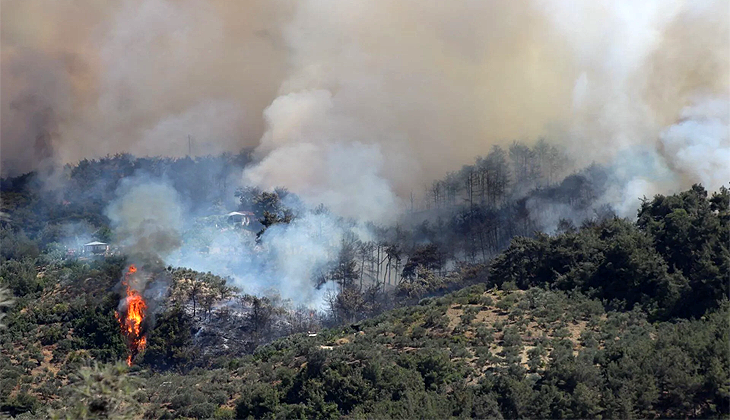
(433, 254)
(480, 208)
(44, 206)
(673, 262)
(501, 175)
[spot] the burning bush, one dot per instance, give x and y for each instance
(133, 310)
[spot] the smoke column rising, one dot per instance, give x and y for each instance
(147, 218)
(356, 104)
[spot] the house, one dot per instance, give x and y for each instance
(241, 218)
(96, 248)
(245, 219)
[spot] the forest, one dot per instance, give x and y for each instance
(508, 289)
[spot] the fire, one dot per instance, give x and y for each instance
(134, 309)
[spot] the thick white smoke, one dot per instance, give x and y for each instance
(652, 98)
(694, 150)
(325, 157)
(698, 146)
(400, 92)
(358, 104)
(368, 107)
(287, 261)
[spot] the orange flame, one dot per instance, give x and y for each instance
(131, 322)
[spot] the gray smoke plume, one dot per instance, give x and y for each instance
(365, 113)
(366, 102)
(147, 218)
(137, 76)
(286, 261)
(698, 146)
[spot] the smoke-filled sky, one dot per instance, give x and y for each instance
(356, 103)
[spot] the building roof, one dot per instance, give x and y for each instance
(95, 243)
(240, 213)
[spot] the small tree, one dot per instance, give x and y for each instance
(100, 392)
(5, 302)
(426, 256)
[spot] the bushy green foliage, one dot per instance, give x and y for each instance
(21, 277)
(692, 233)
(100, 392)
(673, 262)
(22, 402)
(5, 302)
(98, 330)
(16, 245)
(637, 369)
(597, 344)
(169, 343)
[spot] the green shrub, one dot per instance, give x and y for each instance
(459, 350)
(509, 286)
(484, 335)
(507, 302)
(481, 352)
(512, 337)
(52, 334)
(436, 318)
(200, 411)
(418, 332)
(469, 315)
(257, 401)
(21, 277)
(22, 402)
(224, 413)
(535, 358)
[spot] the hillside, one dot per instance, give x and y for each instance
(607, 319)
(219, 209)
(477, 353)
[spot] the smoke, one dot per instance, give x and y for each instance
(698, 146)
(154, 228)
(287, 260)
(311, 150)
(358, 104)
(147, 218)
(398, 92)
(404, 89)
(136, 76)
(297, 253)
(652, 100)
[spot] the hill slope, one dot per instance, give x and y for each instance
(475, 353)
(615, 319)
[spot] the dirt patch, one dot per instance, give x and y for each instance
(454, 316)
(490, 316)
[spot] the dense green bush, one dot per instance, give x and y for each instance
(19, 403)
(673, 262)
(98, 330)
(21, 277)
(169, 343)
